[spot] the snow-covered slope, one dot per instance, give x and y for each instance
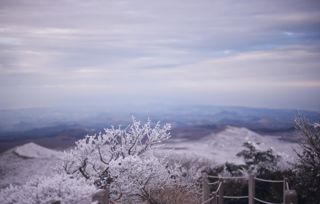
(32, 150)
(223, 146)
(19, 164)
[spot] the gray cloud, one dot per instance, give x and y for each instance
(222, 52)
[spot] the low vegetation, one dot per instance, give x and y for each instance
(304, 175)
(124, 161)
(307, 168)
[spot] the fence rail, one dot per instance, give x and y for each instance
(265, 202)
(229, 177)
(217, 196)
(269, 181)
(235, 197)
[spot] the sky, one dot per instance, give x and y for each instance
(233, 53)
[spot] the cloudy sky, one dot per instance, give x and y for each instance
(228, 52)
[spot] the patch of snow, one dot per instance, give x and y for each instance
(223, 146)
(32, 150)
(19, 164)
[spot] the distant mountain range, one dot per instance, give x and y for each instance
(60, 127)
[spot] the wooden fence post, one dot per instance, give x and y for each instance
(251, 188)
(291, 197)
(221, 192)
(205, 187)
(284, 190)
(214, 201)
(108, 194)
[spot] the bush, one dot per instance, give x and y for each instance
(308, 166)
(60, 187)
(123, 160)
(120, 159)
(257, 161)
(263, 164)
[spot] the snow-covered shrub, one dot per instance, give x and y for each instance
(256, 161)
(259, 161)
(60, 187)
(124, 161)
(262, 163)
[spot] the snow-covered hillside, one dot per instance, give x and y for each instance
(223, 146)
(19, 164)
(32, 150)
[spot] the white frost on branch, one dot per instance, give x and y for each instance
(60, 187)
(123, 159)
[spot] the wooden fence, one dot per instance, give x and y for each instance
(217, 196)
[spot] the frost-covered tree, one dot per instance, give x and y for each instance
(123, 160)
(259, 161)
(120, 159)
(58, 187)
(308, 166)
(256, 161)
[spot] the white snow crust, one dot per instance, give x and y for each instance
(32, 150)
(223, 146)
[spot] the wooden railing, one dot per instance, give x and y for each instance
(217, 196)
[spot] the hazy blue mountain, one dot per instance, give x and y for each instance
(62, 126)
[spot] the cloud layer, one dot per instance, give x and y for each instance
(248, 53)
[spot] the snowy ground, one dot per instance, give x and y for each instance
(223, 146)
(17, 165)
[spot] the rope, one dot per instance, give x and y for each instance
(230, 177)
(215, 192)
(235, 197)
(270, 181)
(213, 183)
(206, 201)
(218, 188)
(242, 197)
(262, 201)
